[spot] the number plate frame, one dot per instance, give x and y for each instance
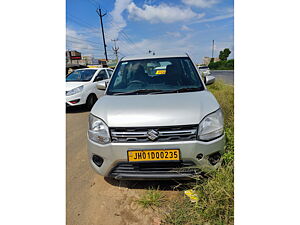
(151, 151)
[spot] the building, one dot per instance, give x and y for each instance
(90, 60)
(73, 57)
(206, 60)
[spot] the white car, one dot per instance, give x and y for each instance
(204, 70)
(81, 86)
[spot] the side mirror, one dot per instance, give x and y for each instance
(209, 80)
(101, 85)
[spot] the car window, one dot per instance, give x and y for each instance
(101, 76)
(110, 72)
(165, 74)
(81, 75)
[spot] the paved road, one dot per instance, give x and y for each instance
(226, 75)
(93, 200)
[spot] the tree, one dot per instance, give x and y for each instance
(224, 54)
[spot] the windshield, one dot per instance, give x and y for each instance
(155, 76)
(81, 75)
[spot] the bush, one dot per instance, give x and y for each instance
(222, 65)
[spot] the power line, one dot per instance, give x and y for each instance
(87, 47)
(98, 43)
(80, 42)
(80, 22)
(93, 3)
(121, 32)
(125, 37)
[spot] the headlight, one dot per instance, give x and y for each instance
(74, 91)
(211, 126)
(98, 130)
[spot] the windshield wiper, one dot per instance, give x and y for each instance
(179, 90)
(156, 91)
(187, 89)
(140, 91)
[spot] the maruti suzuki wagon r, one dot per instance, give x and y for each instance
(156, 120)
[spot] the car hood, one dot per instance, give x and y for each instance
(72, 85)
(155, 110)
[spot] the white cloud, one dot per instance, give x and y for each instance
(118, 22)
(161, 13)
(174, 34)
(163, 45)
(185, 28)
(77, 42)
(200, 3)
(216, 18)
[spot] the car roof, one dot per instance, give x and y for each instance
(91, 68)
(128, 58)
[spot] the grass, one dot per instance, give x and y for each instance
(151, 198)
(216, 194)
(215, 205)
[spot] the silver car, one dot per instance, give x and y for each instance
(157, 120)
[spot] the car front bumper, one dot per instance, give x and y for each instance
(115, 154)
(71, 98)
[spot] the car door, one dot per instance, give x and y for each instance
(101, 76)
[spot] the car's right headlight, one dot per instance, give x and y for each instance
(211, 127)
(98, 130)
(74, 91)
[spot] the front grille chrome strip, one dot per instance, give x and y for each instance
(178, 133)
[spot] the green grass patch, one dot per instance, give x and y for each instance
(215, 205)
(216, 193)
(224, 93)
(152, 198)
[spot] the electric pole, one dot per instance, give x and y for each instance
(115, 49)
(101, 15)
(213, 46)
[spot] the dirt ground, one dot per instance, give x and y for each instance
(94, 200)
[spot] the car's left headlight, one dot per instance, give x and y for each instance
(98, 130)
(74, 90)
(211, 127)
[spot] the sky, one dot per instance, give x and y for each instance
(165, 27)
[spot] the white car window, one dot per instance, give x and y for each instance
(102, 75)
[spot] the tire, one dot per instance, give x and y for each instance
(90, 101)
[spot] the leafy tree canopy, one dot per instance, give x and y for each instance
(224, 54)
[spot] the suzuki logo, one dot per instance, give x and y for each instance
(153, 135)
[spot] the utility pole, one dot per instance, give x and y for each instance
(101, 15)
(213, 46)
(115, 49)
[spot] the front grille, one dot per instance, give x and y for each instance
(154, 168)
(165, 134)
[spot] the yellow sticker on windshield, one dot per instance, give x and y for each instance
(160, 72)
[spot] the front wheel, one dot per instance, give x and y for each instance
(91, 100)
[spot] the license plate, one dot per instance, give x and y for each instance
(152, 155)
